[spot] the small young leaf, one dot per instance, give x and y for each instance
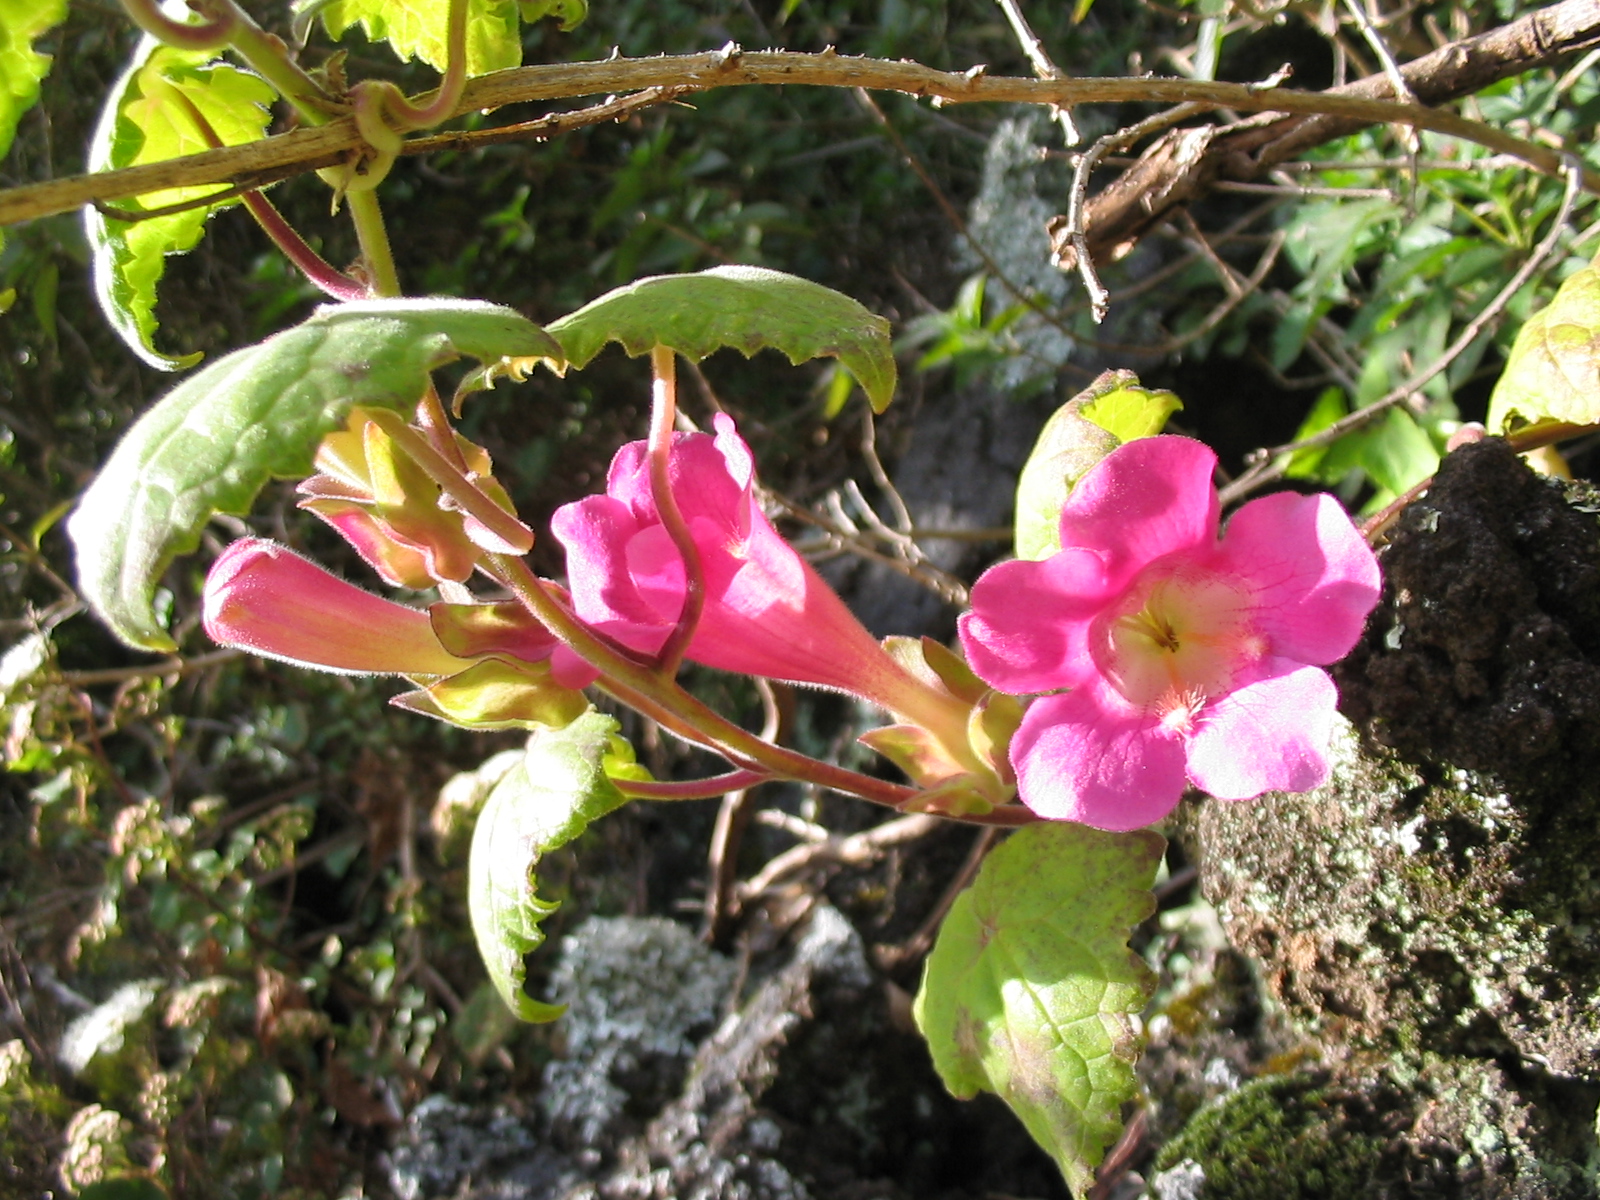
(1111, 410)
(210, 445)
(745, 308)
(418, 29)
(1553, 371)
(21, 66)
(545, 801)
(146, 119)
(1031, 989)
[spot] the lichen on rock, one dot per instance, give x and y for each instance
(1432, 914)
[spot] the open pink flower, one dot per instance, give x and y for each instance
(766, 611)
(1180, 657)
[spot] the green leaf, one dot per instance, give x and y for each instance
(146, 120)
(744, 308)
(542, 803)
(570, 13)
(417, 29)
(1031, 991)
(1553, 371)
(21, 66)
(210, 445)
(1111, 410)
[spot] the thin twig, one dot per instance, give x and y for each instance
(309, 148)
(1269, 465)
(1042, 66)
(167, 666)
(856, 850)
(722, 858)
(914, 948)
(1075, 233)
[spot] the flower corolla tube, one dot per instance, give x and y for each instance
(767, 612)
(1165, 654)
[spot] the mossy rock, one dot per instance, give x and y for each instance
(1438, 900)
(1451, 1128)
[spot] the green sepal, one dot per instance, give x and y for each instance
(22, 68)
(212, 443)
(146, 120)
(1031, 991)
(541, 804)
(1112, 410)
(1553, 370)
(498, 694)
(740, 308)
(936, 665)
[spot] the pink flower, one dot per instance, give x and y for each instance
(1179, 657)
(766, 611)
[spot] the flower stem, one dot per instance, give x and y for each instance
(693, 789)
(516, 536)
(374, 238)
(641, 687)
(443, 104)
(663, 419)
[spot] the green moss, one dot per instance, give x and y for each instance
(1279, 1138)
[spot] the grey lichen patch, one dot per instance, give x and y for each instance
(641, 991)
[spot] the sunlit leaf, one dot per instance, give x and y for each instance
(146, 119)
(569, 13)
(742, 308)
(1553, 370)
(21, 66)
(210, 444)
(547, 799)
(418, 28)
(1032, 992)
(1111, 410)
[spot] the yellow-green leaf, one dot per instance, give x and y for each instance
(22, 22)
(1553, 371)
(417, 29)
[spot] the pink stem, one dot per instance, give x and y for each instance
(692, 789)
(663, 417)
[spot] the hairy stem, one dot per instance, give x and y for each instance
(373, 235)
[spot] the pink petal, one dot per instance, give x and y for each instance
(1269, 736)
(1088, 757)
(596, 532)
(1029, 625)
(1314, 576)
(1148, 498)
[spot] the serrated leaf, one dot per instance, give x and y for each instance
(144, 121)
(541, 804)
(1553, 370)
(210, 445)
(1111, 410)
(418, 29)
(21, 66)
(1031, 991)
(743, 308)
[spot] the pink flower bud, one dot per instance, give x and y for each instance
(266, 599)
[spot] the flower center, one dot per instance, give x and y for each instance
(1179, 638)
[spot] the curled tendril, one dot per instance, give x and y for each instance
(212, 33)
